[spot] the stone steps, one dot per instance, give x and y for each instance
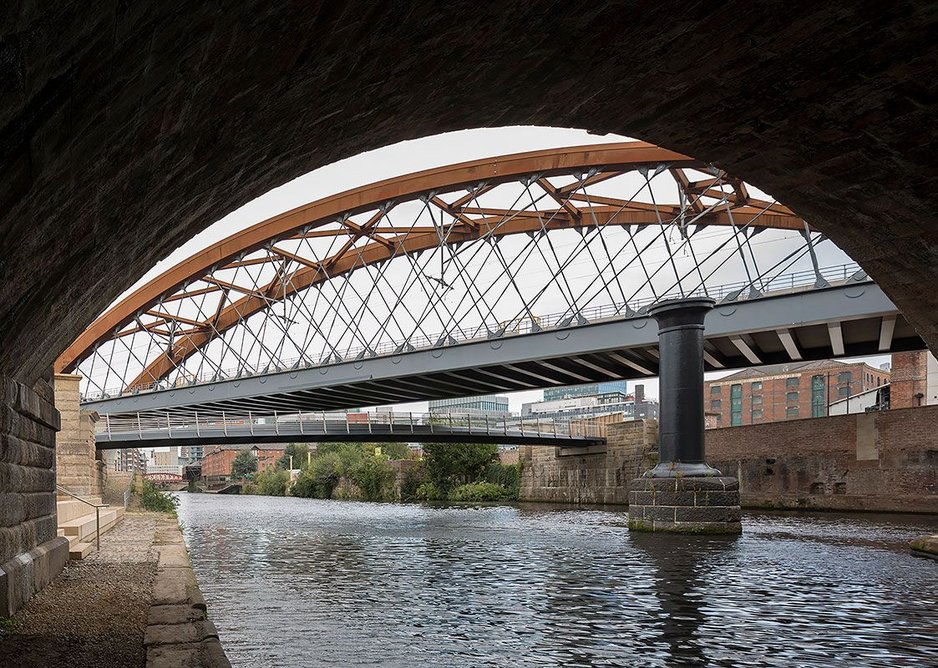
(81, 528)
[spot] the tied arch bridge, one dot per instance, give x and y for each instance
(510, 273)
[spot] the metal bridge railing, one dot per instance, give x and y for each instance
(143, 426)
(526, 325)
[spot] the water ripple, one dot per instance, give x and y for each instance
(297, 582)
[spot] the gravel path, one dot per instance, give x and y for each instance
(95, 612)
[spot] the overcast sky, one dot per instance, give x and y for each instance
(388, 162)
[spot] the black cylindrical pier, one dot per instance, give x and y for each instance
(681, 389)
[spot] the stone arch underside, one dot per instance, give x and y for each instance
(124, 131)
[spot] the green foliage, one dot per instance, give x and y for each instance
(243, 465)
(452, 464)
(153, 498)
(318, 480)
(413, 478)
(7, 625)
(430, 492)
(272, 483)
(374, 477)
(394, 451)
(506, 475)
(300, 452)
(479, 491)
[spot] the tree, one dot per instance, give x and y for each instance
(243, 465)
(300, 453)
(452, 464)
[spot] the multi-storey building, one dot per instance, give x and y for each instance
(217, 461)
(485, 404)
(583, 407)
(191, 453)
(787, 391)
(588, 390)
(128, 459)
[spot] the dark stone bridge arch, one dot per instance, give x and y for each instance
(125, 128)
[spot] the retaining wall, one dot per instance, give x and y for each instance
(31, 554)
(883, 461)
(601, 475)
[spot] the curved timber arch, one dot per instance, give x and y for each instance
(565, 180)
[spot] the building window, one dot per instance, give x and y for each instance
(757, 400)
(736, 405)
(818, 397)
(757, 414)
(791, 382)
(791, 397)
(715, 389)
(716, 405)
(843, 391)
(845, 377)
(791, 411)
(756, 386)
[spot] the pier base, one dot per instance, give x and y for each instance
(685, 505)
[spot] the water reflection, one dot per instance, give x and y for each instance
(294, 582)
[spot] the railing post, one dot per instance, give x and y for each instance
(488, 430)
(107, 421)
(251, 422)
(299, 416)
(411, 422)
(97, 522)
(505, 424)
(198, 431)
(276, 424)
(469, 418)
(139, 427)
(555, 426)
(368, 415)
(224, 422)
(538, 425)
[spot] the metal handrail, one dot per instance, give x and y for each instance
(97, 512)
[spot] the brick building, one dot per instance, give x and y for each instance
(786, 391)
(217, 460)
(914, 379)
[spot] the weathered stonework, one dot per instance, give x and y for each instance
(685, 505)
(125, 129)
(881, 461)
(77, 466)
(564, 476)
(30, 552)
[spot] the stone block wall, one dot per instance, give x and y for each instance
(600, 476)
(882, 461)
(76, 463)
(30, 552)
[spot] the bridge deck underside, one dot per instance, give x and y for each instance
(844, 321)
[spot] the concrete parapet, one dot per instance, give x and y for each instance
(685, 505)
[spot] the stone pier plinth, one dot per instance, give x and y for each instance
(685, 505)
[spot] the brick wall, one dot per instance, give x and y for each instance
(30, 552)
(884, 461)
(558, 474)
(909, 374)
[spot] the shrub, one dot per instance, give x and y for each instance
(413, 478)
(452, 464)
(272, 483)
(153, 498)
(374, 477)
(506, 475)
(318, 480)
(430, 492)
(479, 491)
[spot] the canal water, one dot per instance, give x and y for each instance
(299, 582)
